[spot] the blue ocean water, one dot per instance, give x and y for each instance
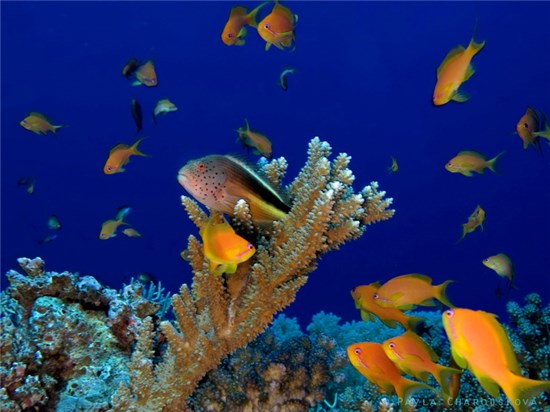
(364, 81)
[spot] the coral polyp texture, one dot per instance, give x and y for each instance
(103, 340)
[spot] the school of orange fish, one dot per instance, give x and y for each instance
(478, 341)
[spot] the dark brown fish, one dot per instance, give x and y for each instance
(130, 68)
(135, 109)
(219, 182)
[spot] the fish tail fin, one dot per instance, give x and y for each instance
(492, 164)
(444, 376)
(134, 148)
(441, 293)
(54, 128)
(251, 17)
(546, 132)
(405, 388)
(520, 391)
(474, 47)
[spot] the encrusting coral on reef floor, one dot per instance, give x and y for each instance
(157, 366)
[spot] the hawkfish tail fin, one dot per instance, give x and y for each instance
(492, 164)
(520, 391)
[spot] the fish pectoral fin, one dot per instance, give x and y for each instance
(390, 323)
(136, 83)
(367, 316)
(240, 42)
(489, 385)
(427, 302)
(267, 46)
(469, 72)
(459, 359)
(460, 97)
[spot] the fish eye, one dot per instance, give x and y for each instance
(357, 351)
(201, 167)
(449, 313)
(250, 246)
(267, 26)
(392, 345)
(375, 296)
(526, 125)
(229, 35)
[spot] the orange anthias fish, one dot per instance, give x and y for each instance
(146, 75)
(250, 138)
(416, 358)
(527, 129)
(223, 248)
(455, 69)
(109, 228)
(120, 156)
(479, 343)
(363, 297)
(475, 220)
(277, 28)
(406, 291)
(234, 30)
(39, 124)
(219, 182)
(372, 362)
(469, 161)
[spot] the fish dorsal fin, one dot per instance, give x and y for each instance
(40, 115)
(119, 147)
(471, 153)
(376, 284)
(283, 11)
(450, 56)
(237, 11)
(421, 277)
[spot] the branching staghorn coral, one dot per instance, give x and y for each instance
(217, 315)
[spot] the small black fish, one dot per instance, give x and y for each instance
(283, 82)
(130, 68)
(135, 109)
(28, 182)
(145, 278)
(48, 239)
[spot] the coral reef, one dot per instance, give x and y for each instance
(218, 315)
(68, 343)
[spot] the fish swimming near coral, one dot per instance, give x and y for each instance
(468, 161)
(372, 362)
(475, 220)
(119, 156)
(39, 124)
(406, 291)
(234, 31)
(220, 181)
(277, 28)
(363, 296)
(223, 248)
(252, 138)
(503, 266)
(479, 343)
(416, 358)
(455, 69)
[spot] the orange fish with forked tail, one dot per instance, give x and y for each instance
(120, 156)
(455, 69)
(406, 291)
(468, 161)
(371, 361)
(479, 343)
(363, 297)
(234, 30)
(277, 28)
(416, 358)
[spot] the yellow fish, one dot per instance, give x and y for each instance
(223, 248)
(109, 228)
(469, 161)
(527, 128)
(479, 343)
(146, 75)
(416, 358)
(373, 363)
(394, 167)
(255, 139)
(502, 265)
(277, 28)
(120, 156)
(363, 297)
(406, 291)
(163, 107)
(39, 124)
(234, 30)
(475, 220)
(219, 182)
(131, 232)
(455, 69)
